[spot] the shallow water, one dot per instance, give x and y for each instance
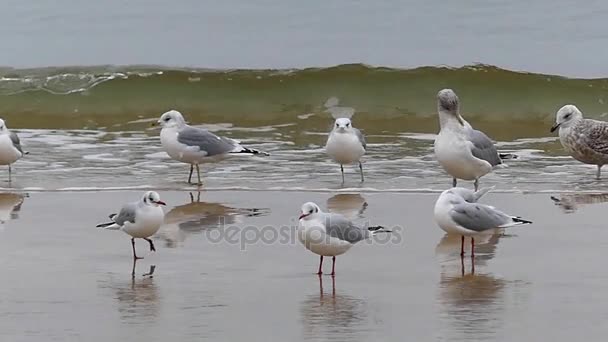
(395, 161)
(63, 279)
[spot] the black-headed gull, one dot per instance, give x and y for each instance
(346, 145)
(10, 147)
(456, 212)
(194, 145)
(329, 234)
(140, 219)
(463, 152)
(585, 140)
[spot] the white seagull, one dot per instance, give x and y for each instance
(140, 219)
(585, 140)
(457, 212)
(10, 147)
(346, 145)
(329, 234)
(463, 152)
(193, 145)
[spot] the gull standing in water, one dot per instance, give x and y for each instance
(193, 145)
(346, 145)
(585, 140)
(10, 147)
(328, 234)
(463, 152)
(140, 219)
(456, 212)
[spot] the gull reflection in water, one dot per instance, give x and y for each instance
(10, 205)
(569, 203)
(137, 299)
(196, 216)
(471, 302)
(350, 205)
(328, 315)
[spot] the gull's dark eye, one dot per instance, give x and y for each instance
(311, 211)
(347, 125)
(568, 116)
(337, 125)
(167, 119)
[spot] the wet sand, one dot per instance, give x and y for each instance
(63, 279)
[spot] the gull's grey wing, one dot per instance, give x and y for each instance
(483, 147)
(340, 227)
(205, 141)
(361, 137)
(15, 140)
(594, 134)
(126, 214)
(478, 217)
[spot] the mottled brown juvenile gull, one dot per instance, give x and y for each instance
(585, 140)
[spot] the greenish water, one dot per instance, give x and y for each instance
(383, 98)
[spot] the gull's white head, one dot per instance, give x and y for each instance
(343, 125)
(308, 209)
(171, 118)
(447, 101)
(567, 116)
(3, 128)
(152, 198)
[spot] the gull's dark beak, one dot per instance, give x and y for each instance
(160, 203)
(302, 216)
(556, 126)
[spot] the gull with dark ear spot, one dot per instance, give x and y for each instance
(329, 234)
(140, 219)
(10, 147)
(463, 152)
(194, 145)
(346, 145)
(585, 140)
(456, 212)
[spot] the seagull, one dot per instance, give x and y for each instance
(463, 152)
(140, 219)
(584, 139)
(195, 145)
(346, 145)
(329, 234)
(10, 147)
(456, 212)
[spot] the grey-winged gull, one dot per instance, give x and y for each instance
(10, 147)
(463, 152)
(346, 145)
(456, 212)
(329, 234)
(140, 219)
(194, 145)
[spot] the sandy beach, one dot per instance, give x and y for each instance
(65, 280)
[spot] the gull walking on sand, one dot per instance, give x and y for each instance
(140, 219)
(456, 212)
(194, 145)
(10, 147)
(346, 145)
(463, 152)
(329, 234)
(585, 140)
